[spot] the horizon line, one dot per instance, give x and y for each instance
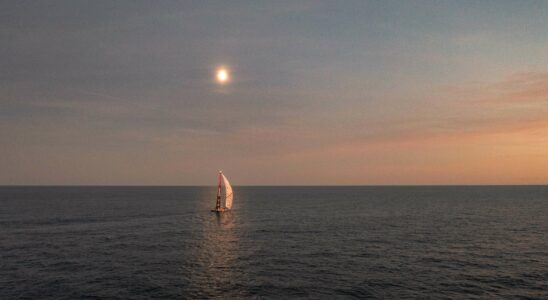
(259, 185)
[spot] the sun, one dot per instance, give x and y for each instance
(222, 75)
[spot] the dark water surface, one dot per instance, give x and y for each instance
(278, 242)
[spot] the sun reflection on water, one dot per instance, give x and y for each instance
(216, 255)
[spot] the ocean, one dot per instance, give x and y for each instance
(438, 242)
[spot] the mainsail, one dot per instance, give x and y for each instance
(228, 193)
(223, 203)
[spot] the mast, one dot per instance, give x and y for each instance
(218, 204)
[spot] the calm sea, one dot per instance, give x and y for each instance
(278, 242)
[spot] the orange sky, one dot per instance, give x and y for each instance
(318, 93)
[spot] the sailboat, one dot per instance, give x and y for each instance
(223, 203)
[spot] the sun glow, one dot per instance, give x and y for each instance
(222, 75)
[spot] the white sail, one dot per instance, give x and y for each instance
(228, 193)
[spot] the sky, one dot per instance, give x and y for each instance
(320, 92)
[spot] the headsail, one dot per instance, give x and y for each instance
(228, 193)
